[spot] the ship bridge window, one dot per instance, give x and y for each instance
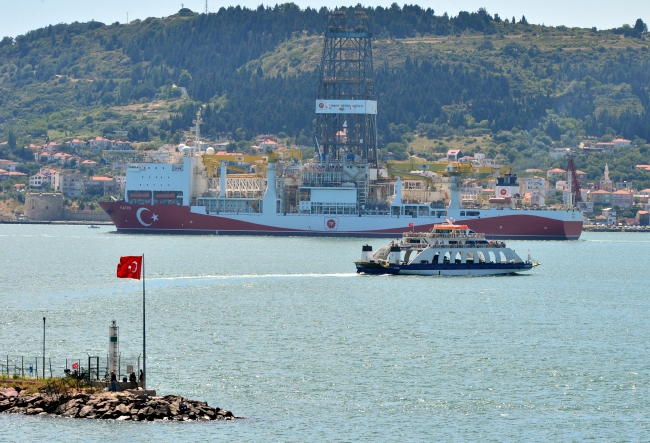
(462, 213)
(441, 213)
(411, 211)
(423, 211)
(395, 210)
(473, 213)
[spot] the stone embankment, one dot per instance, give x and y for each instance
(119, 406)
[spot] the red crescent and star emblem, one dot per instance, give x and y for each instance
(503, 192)
(331, 223)
(321, 105)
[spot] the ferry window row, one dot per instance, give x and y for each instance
(470, 258)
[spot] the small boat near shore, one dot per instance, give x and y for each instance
(447, 250)
(93, 227)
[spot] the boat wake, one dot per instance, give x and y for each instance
(251, 277)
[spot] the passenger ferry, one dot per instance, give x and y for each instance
(447, 250)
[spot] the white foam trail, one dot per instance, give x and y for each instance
(250, 276)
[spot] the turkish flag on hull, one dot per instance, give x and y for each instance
(130, 266)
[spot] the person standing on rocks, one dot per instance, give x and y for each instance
(141, 378)
(113, 381)
(132, 380)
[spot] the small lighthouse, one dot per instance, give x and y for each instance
(114, 348)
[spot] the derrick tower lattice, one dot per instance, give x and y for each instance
(346, 107)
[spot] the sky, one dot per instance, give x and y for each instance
(21, 16)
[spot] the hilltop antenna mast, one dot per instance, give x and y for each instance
(206, 7)
(347, 107)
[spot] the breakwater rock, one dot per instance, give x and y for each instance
(117, 406)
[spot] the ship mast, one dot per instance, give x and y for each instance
(197, 131)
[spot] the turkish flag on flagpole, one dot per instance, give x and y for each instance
(130, 266)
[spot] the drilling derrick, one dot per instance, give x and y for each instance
(347, 107)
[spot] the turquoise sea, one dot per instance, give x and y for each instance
(283, 332)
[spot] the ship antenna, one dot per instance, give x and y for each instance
(197, 130)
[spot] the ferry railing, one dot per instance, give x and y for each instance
(437, 235)
(454, 246)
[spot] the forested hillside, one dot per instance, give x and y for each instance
(495, 84)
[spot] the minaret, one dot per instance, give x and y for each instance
(606, 173)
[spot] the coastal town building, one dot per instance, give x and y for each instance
(621, 143)
(561, 185)
(560, 152)
(453, 155)
(106, 185)
(624, 199)
(600, 197)
(99, 143)
(268, 145)
(77, 144)
(555, 174)
(122, 145)
(71, 185)
(610, 216)
(10, 174)
(36, 181)
(8, 165)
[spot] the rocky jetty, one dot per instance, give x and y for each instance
(116, 406)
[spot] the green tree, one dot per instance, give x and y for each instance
(184, 79)
(640, 27)
(11, 139)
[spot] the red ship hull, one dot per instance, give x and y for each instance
(172, 219)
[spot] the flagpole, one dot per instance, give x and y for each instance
(144, 334)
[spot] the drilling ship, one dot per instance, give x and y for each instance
(343, 191)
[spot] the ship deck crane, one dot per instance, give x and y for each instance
(574, 183)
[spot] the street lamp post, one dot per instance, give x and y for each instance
(43, 348)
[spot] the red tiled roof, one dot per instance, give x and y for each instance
(601, 191)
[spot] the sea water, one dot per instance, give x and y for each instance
(283, 331)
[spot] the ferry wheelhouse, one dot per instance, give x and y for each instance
(447, 250)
